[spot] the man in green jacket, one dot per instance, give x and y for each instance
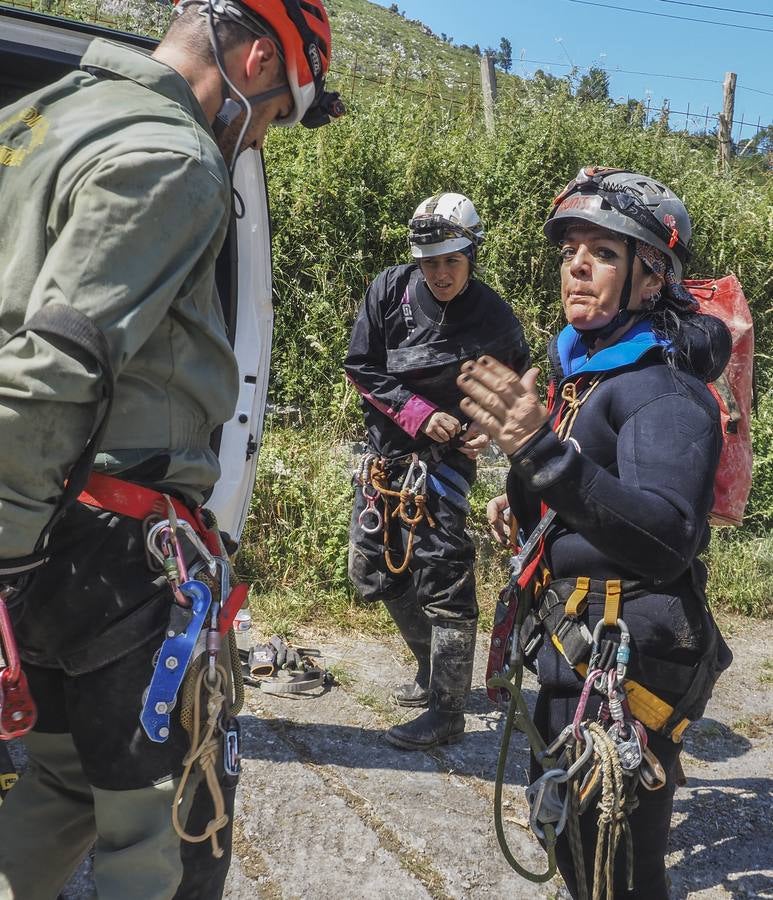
(115, 185)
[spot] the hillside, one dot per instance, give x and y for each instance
(376, 40)
(379, 42)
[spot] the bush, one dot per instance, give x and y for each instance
(741, 572)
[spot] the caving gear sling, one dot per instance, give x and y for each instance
(411, 506)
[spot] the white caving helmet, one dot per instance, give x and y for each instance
(445, 223)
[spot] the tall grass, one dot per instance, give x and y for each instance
(295, 545)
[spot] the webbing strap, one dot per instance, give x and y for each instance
(578, 598)
(612, 603)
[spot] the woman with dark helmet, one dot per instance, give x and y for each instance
(408, 543)
(625, 457)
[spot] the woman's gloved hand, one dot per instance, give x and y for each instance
(502, 404)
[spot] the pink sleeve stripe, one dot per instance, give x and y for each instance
(411, 416)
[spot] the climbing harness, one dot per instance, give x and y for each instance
(373, 477)
(608, 755)
(197, 664)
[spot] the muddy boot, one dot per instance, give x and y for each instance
(453, 652)
(416, 630)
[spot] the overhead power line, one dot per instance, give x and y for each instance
(547, 62)
(647, 12)
(739, 12)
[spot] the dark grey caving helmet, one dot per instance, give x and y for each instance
(627, 203)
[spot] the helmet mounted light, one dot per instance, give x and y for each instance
(435, 229)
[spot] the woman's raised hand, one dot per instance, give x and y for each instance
(503, 405)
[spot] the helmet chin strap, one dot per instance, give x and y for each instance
(230, 110)
(623, 316)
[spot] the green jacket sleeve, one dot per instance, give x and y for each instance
(122, 238)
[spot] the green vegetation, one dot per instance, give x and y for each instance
(295, 545)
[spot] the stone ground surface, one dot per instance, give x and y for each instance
(328, 809)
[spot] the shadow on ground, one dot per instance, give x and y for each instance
(725, 827)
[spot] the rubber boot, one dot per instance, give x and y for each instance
(416, 630)
(453, 653)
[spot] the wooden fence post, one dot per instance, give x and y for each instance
(488, 83)
(726, 121)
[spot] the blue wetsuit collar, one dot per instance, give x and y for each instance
(637, 341)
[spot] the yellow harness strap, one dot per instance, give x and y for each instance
(646, 707)
(576, 602)
(612, 603)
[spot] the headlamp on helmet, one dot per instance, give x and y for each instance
(445, 223)
(434, 229)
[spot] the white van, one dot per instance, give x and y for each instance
(37, 49)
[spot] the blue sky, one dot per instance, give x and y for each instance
(552, 34)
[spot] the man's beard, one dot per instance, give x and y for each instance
(226, 141)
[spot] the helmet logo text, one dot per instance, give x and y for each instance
(316, 62)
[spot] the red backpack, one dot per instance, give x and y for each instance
(724, 298)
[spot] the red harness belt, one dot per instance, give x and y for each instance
(136, 502)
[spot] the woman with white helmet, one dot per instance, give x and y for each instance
(625, 456)
(419, 322)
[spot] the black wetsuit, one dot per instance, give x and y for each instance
(404, 356)
(632, 504)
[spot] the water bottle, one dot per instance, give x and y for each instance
(242, 626)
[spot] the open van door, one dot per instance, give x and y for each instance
(37, 49)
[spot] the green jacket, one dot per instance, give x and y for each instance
(115, 199)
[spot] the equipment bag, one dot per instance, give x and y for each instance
(724, 298)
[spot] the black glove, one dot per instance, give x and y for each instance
(286, 657)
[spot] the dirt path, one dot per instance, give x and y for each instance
(328, 809)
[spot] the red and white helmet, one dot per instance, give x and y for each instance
(301, 30)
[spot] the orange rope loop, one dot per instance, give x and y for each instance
(410, 495)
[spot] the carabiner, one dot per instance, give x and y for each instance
(370, 510)
(547, 806)
(407, 484)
